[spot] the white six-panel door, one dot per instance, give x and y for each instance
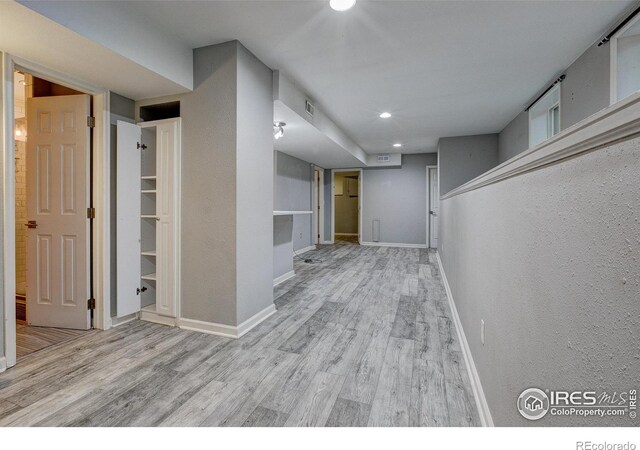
(57, 201)
(434, 204)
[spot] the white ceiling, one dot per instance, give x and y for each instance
(441, 68)
(304, 141)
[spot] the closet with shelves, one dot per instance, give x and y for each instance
(148, 211)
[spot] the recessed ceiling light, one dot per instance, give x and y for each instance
(397, 145)
(342, 5)
(385, 115)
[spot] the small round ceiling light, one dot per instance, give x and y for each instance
(385, 115)
(342, 5)
(398, 145)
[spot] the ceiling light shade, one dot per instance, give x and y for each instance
(398, 145)
(278, 129)
(385, 115)
(342, 5)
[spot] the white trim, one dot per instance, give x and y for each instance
(317, 227)
(304, 250)
(614, 123)
(3, 364)
(346, 234)
(428, 236)
(393, 244)
(333, 201)
(327, 242)
(558, 87)
(283, 278)
(101, 199)
(613, 59)
(117, 321)
(481, 401)
(256, 319)
(227, 330)
(149, 314)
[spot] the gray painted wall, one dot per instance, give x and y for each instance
(584, 92)
(463, 158)
(346, 213)
(122, 108)
(556, 284)
(227, 195)
(514, 138)
(293, 187)
(398, 197)
(254, 165)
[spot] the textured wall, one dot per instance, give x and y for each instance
(398, 197)
(463, 158)
(209, 187)
(254, 165)
(293, 186)
(550, 261)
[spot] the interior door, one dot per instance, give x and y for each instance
(128, 209)
(434, 202)
(58, 178)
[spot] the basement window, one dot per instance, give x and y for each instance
(544, 117)
(625, 61)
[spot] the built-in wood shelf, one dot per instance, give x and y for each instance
(149, 276)
(290, 213)
(149, 177)
(148, 191)
(149, 216)
(149, 253)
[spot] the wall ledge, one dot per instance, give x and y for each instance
(620, 121)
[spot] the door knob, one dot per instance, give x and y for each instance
(31, 224)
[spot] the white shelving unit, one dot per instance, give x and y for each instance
(148, 227)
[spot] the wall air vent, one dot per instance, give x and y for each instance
(309, 108)
(383, 158)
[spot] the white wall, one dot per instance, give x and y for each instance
(549, 260)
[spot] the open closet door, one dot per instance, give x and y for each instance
(128, 219)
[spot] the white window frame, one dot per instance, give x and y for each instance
(558, 104)
(613, 59)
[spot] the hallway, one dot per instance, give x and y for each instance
(363, 337)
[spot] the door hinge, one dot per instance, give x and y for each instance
(91, 121)
(91, 303)
(141, 146)
(91, 213)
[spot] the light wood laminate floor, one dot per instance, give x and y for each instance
(362, 337)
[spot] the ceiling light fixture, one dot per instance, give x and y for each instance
(342, 5)
(398, 145)
(278, 129)
(385, 115)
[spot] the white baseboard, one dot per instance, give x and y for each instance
(117, 321)
(305, 250)
(476, 385)
(3, 364)
(328, 242)
(152, 316)
(392, 244)
(283, 278)
(227, 330)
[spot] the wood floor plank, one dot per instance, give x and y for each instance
(429, 406)
(347, 413)
(265, 417)
(390, 406)
(314, 407)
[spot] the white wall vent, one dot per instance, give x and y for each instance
(309, 108)
(383, 158)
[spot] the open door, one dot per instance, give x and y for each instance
(58, 182)
(434, 202)
(128, 219)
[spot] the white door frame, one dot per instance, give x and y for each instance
(317, 227)
(428, 236)
(101, 197)
(333, 202)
